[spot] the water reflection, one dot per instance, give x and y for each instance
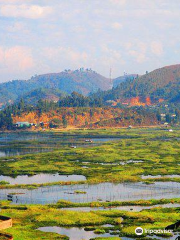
(22, 151)
(74, 233)
(12, 144)
(42, 178)
(123, 208)
(160, 176)
(98, 192)
(81, 234)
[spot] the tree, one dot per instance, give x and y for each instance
(168, 118)
(6, 121)
(64, 121)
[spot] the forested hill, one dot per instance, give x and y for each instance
(82, 81)
(159, 85)
(88, 118)
(44, 94)
(124, 78)
(54, 115)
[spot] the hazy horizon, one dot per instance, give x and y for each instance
(41, 36)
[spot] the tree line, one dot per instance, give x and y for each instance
(75, 100)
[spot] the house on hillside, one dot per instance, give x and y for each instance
(163, 116)
(22, 124)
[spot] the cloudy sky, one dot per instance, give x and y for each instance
(41, 36)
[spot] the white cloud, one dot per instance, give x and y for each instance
(63, 57)
(138, 50)
(17, 26)
(117, 25)
(124, 34)
(157, 48)
(118, 2)
(12, 1)
(139, 56)
(69, 54)
(25, 11)
(164, 25)
(17, 58)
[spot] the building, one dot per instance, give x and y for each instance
(22, 124)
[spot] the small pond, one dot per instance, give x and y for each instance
(94, 192)
(159, 176)
(41, 178)
(74, 233)
(161, 238)
(8, 152)
(79, 233)
(124, 208)
(119, 163)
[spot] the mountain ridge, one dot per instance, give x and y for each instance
(162, 84)
(82, 81)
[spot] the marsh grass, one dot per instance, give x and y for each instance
(156, 156)
(68, 204)
(27, 220)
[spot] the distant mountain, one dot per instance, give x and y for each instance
(81, 81)
(159, 85)
(42, 94)
(121, 79)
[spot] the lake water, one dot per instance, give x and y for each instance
(98, 192)
(41, 178)
(12, 144)
(8, 152)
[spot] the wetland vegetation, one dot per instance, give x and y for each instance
(140, 158)
(29, 218)
(136, 153)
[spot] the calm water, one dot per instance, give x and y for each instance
(123, 208)
(161, 238)
(12, 144)
(74, 233)
(160, 176)
(119, 163)
(81, 234)
(99, 192)
(8, 152)
(42, 178)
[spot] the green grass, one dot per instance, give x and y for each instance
(159, 157)
(3, 183)
(152, 202)
(27, 220)
(108, 238)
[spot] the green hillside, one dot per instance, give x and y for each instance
(163, 83)
(81, 81)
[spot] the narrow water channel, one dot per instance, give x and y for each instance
(96, 192)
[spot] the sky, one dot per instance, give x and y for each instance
(43, 36)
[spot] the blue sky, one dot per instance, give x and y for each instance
(41, 36)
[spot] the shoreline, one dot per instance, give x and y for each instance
(80, 128)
